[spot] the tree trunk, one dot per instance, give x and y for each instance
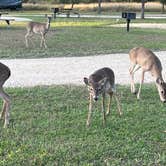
(163, 9)
(143, 9)
(99, 6)
(72, 6)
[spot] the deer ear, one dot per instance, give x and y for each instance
(86, 81)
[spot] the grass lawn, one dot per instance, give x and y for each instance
(47, 128)
(79, 37)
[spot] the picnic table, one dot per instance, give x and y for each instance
(66, 11)
(7, 19)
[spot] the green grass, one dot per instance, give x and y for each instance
(47, 127)
(79, 37)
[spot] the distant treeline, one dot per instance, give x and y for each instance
(79, 1)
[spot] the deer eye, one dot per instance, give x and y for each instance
(162, 92)
(99, 89)
(91, 89)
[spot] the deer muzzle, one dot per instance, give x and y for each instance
(95, 98)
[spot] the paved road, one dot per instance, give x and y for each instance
(154, 16)
(54, 71)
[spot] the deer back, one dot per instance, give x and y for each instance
(146, 59)
(105, 76)
(36, 27)
(4, 73)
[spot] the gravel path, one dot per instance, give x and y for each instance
(54, 71)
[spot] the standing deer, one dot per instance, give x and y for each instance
(38, 28)
(146, 60)
(101, 82)
(4, 75)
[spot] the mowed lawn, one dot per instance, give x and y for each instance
(47, 128)
(79, 37)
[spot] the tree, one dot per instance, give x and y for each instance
(143, 8)
(163, 2)
(99, 6)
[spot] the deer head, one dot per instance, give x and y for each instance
(161, 87)
(95, 88)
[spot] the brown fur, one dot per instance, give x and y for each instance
(145, 59)
(38, 28)
(101, 82)
(4, 75)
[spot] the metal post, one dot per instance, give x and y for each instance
(142, 9)
(128, 24)
(54, 15)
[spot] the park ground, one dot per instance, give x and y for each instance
(47, 125)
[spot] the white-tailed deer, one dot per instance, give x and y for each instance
(4, 75)
(101, 82)
(146, 60)
(38, 28)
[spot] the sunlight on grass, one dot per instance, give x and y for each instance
(78, 23)
(65, 23)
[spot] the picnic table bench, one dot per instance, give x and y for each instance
(5, 19)
(66, 11)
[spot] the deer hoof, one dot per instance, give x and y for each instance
(138, 97)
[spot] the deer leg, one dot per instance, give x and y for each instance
(109, 104)
(118, 103)
(132, 70)
(3, 110)
(7, 107)
(44, 41)
(103, 109)
(29, 34)
(90, 110)
(141, 82)
(41, 43)
(7, 114)
(132, 78)
(26, 39)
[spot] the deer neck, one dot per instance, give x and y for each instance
(48, 25)
(156, 73)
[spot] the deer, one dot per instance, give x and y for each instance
(101, 82)
(4, 75)
(145, 59)
(38, 28)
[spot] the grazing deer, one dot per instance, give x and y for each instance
(4, 75)
(101, 82)
(146, 60)
(38, 28)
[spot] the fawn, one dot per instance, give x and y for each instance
(101, 82)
